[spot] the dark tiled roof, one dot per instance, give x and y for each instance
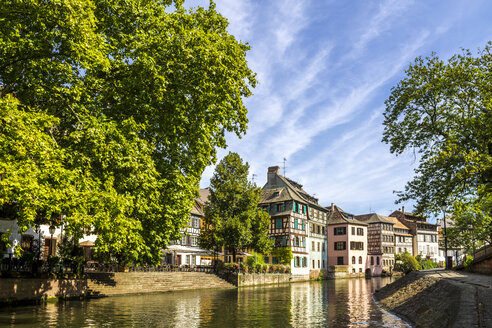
(339, 216)
(374, 218)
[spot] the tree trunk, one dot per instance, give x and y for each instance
(233, 255)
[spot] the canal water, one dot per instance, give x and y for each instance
(332, 303)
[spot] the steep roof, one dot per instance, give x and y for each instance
(287, 189)
(339, 216)
(204, 194)
(398, 224)
(373, 218)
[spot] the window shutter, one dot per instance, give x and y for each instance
(304, 241)
(283, 207)
(303, 226)
(294, 206)
(295, 223)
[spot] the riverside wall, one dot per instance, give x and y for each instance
(35, 290)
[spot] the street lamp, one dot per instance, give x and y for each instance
(443, 208)
(37, 228)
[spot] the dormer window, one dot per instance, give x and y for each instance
(276, 194)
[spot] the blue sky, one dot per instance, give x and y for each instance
(325, 69)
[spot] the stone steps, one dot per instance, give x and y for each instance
(121, 283)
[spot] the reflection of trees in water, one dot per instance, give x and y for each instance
(340, 303)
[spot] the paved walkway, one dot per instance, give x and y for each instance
(480, 280)
(476, 296)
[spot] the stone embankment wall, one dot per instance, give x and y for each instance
(430, 301)
(254, 279)
(105, 284)
(14, 290)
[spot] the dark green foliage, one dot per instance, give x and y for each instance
(443, 112)
(118, 108)
(405, 263)
(232, 216)
(284, 254)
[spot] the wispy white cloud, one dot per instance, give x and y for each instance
(320, 96)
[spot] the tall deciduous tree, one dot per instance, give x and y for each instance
(127, 102)
(232, 216)
(443, 111)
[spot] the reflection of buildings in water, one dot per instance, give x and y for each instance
(358, 300)
(187, 312)
(300, 305)
(308, 304)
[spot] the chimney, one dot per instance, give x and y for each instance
(332, 207)
(403, 209)
(271, 176)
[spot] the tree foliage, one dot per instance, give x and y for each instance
(443, 112)
(110, 112)
(232, 216)
(405, 263)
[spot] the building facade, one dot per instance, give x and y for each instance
(347, 241)
(282, 199)
(425, 241)
(186, 251)
(380, 239)
(403, 238)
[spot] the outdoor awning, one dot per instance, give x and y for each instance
(244, 254)
(188, 249)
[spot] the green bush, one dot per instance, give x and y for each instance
(405, 263)
(468, 263)
(284, 254)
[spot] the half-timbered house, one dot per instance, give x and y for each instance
(283, 200)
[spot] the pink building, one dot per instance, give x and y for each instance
(347, 241)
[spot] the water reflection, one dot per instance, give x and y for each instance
(339, 303)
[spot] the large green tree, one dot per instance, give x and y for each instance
(443, 112)
(232, 216)
(110, 112)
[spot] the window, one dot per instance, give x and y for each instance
(377, 260)
(340, 231)
(360, 259)
(360, 269)
(194, 241)
(304, 262)
(356, 245)
(353, 230)
(278, 223)
(323, 249)
(195, 222)
(274, 260)
(313, 248)
(340, 245)
(353, 259)
(319, 230)
(284, 241)
(297, 262)
(267, 259)
(279, 207)
(318, 246)
(340, 260)
(323, 264)
(323, 230)
(27, 243)
(372, 260)
(319, 264)
(360, 232)
(312, 228)
(313, 264)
